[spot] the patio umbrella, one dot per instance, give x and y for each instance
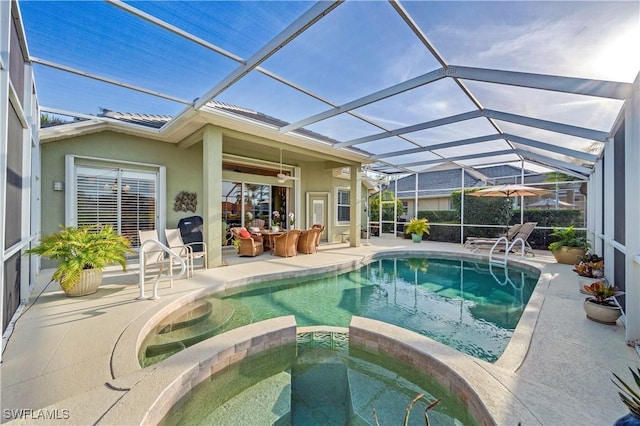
(510, 190)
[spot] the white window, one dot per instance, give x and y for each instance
(344, 207)
(125, 197)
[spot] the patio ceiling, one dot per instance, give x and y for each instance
(405, 85)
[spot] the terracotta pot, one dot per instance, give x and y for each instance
(569, 255)
(90, 280)
(604, 314)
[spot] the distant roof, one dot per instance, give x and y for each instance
(150, 120)
(442, 182)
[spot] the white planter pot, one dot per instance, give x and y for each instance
(90, 280)
(601, 313)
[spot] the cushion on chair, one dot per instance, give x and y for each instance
(244, 233)
(254, 229)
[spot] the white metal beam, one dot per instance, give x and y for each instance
(558, 169)
(632, 206)
(552, 162)
(421, 80)
(553, 148)
(306, 20)
(172, 28)
(414, 128)
(444, 145)
(577, 86)
(76, 71)
(459, 158)
(552, 126)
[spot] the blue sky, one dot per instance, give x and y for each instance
(358, 48)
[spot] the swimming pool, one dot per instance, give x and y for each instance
(467, 304)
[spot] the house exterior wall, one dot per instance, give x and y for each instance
(184, 172)
(183, 166)
(441, 203)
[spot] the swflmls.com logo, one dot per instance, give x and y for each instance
(31, 414)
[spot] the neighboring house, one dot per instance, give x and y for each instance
(434, 187)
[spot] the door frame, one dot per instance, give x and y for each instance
(326, 197)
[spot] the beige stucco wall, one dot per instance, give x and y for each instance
(441, 203)
(183, 166)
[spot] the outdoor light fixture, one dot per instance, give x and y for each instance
(58, 186)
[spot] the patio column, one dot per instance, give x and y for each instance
(212, 188)
(608, 200)
(355, 215)
(5, 26)
(595, 200)
(632, 207)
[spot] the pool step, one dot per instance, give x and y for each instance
(269, 399)
(191, 327)
(186, 316)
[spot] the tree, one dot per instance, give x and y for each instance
(387, 208)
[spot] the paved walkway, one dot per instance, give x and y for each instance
(60, 353)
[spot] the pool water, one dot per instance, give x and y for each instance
(471, 306)
(321, 386)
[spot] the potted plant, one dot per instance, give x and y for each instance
(590, 269)
(600, 306)
(417, 227)
(83, 253)
(569, 246)
(631, 398)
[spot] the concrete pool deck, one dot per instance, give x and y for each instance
(62, 352)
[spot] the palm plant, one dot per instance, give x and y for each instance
(629, 395)
(78, 249)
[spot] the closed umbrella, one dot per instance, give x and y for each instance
(548, 202)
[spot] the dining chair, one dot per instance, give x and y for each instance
(285, 245)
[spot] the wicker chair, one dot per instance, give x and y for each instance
(307, 242)
(248, 246)
(258, 223)
(319, 235)
(286, 245)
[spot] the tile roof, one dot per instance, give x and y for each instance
(443, 182)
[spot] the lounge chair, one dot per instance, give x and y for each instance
(186, 250)
(286, 245)
(510, 234)
(524, 232)
(249, 244)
